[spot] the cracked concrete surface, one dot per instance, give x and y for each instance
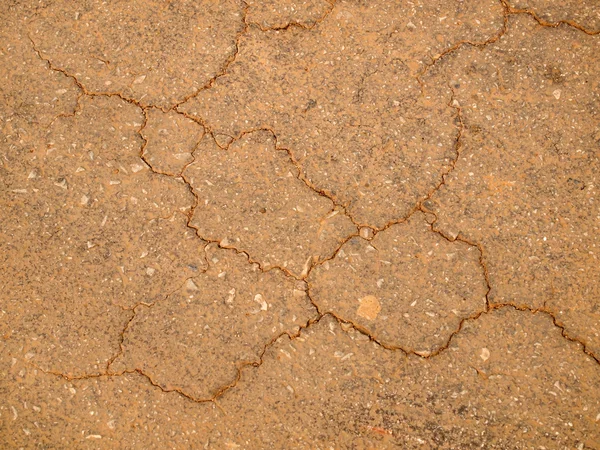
(300, 224)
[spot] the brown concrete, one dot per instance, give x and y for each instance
(300, 224)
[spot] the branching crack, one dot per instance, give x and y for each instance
(345, 324)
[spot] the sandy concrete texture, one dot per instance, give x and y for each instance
(312, 224)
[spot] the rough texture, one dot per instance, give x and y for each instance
(158, 53)
(359, 125)
(580, 13)
(300, 224)
(181, 331)
(98, 232)
(526, 184)
(250, 198)
(496, 387)
(281, 14)
(170, 141)
(367, 397)
(408, 286)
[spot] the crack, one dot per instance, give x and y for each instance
(299, 175)
(508, 11)
(296, 24)
(142, 154)
(223, 71)
(453, 103)
(463, 43)
(218, 393)
(345, 325)
(228, 62)
(478, 246)
(263, 269)
(344, 322)
(80, 85)
(133, 310)
(491, 306)
(76, 109)
(545, 23)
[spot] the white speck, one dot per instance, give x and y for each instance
(94, 436)
(230, 298)
(485, 354)
(150, 271)
(261, 301)
(84, 199)
(556, 94)
(135, 168)
(190, 285)
(139, 79)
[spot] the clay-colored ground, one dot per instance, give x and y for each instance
(308, 224)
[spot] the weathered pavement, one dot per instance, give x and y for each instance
(300, 224)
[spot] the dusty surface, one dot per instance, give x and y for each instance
(300, 224)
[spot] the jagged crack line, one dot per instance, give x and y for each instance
(545, 23)
(296, 24)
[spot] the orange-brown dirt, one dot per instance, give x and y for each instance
(315, 224)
